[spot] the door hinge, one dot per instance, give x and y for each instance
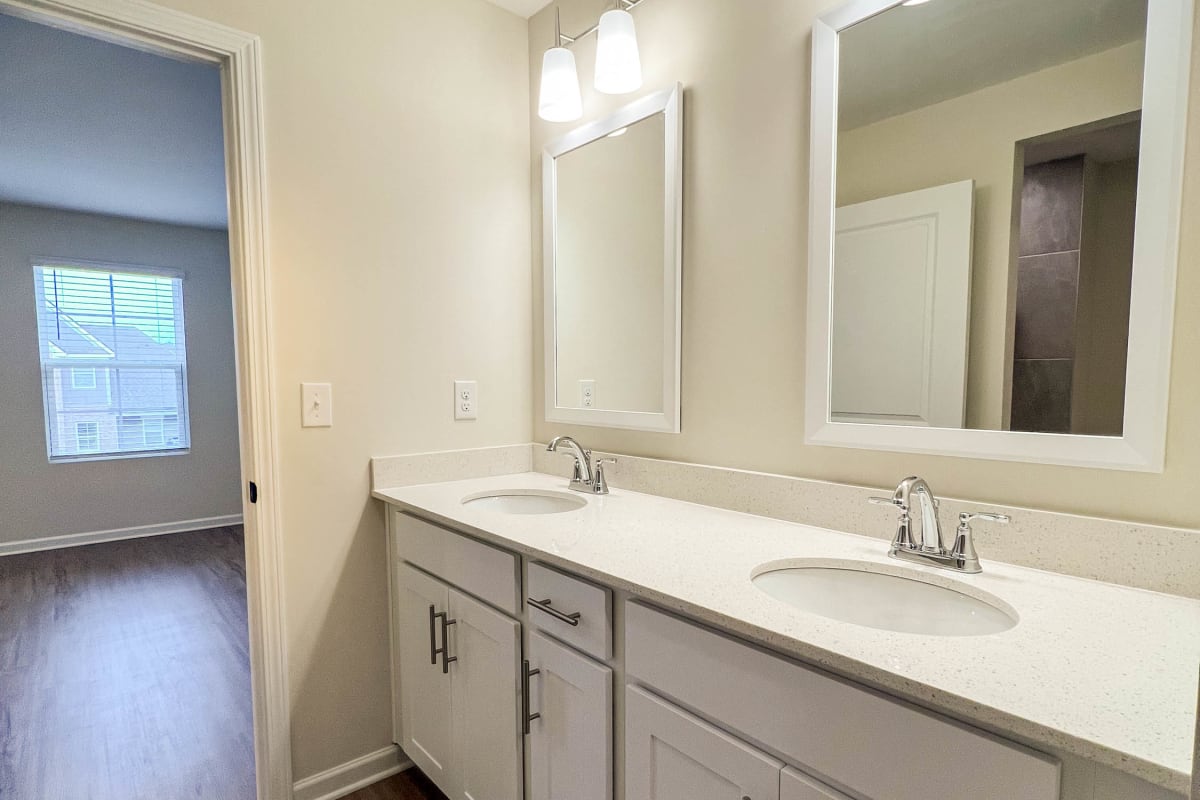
(253, 492)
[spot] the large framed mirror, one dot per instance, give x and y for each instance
(612, 228)
(994, 208)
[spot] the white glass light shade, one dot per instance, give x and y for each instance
(618, 65)
(558, 97)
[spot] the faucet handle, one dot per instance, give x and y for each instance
(886, 501)
(967, 517)
(599, 482)
(963, 550)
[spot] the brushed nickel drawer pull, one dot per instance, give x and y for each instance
(544, 605)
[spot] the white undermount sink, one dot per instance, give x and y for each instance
(885, 597)
(525, 501)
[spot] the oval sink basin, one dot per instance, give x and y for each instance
(891, 600)
(525, 501)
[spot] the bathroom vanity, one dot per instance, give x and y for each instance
(554, 644)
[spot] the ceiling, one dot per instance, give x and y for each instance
(90, 126)
(522, 8)
(910, 57)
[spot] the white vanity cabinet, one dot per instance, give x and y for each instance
(458, 678)
(570, 739)
(571, 690)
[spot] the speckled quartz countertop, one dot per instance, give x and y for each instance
(1094, 669)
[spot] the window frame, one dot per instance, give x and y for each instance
(183, 410)
(76, 372)
(79, 437)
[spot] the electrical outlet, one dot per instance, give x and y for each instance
(587, 393)
(316, 405)
(466, 400)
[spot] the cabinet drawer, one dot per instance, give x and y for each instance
(487, 572)
(847, 734)
(554, 600)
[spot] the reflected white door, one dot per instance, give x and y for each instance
(901, 308)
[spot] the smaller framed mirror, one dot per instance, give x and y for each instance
(612, 234)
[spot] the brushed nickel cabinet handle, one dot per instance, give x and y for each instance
(544, 605)
(433, 648)
(444, 650)
(526, 717)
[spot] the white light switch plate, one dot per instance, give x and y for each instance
(316, 404)
(466, 400)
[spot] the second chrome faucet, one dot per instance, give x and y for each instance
(929, 547)
(587, 476)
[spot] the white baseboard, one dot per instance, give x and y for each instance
(351, 776)
(96, 537)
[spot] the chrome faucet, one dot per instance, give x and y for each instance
(931, 549)
(585, 477)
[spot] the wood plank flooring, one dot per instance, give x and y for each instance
(410, 785)
(124, 671)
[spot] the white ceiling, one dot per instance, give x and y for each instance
(90, 126)
(522, 8)
(913, 56)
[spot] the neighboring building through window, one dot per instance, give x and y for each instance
(114, 372)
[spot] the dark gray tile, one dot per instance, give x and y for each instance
(1052, 207)
(1041, 395)
(1047, 294)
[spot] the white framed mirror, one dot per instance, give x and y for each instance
(612, 194)
(994, 210)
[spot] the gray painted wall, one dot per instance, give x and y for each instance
(39, 499)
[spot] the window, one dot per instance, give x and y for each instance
(83, 378)
(120, 329)
(87, 437)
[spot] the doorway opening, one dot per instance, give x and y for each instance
(120, 405)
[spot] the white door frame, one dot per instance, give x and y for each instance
(160, 30)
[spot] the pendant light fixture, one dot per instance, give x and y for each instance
(559, 99)
(618, 64)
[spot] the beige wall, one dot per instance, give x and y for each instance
(610, 244)
(398, 211)
(745, 69)
(40, 499)
(974, 137)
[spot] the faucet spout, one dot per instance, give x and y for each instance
(583, 466)
(931, 529)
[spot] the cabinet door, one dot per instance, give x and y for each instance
(570, 743)
(794, 785)
(671, 755)
(486, 686)
(425, 705)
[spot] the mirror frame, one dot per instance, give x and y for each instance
(1155, 255)
(668, 102)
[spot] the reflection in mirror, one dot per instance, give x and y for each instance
(612, 218)
(609, 254)
(986, 183)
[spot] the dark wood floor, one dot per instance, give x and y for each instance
(410, 785)
(124, 671)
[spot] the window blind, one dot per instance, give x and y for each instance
(114, 368)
